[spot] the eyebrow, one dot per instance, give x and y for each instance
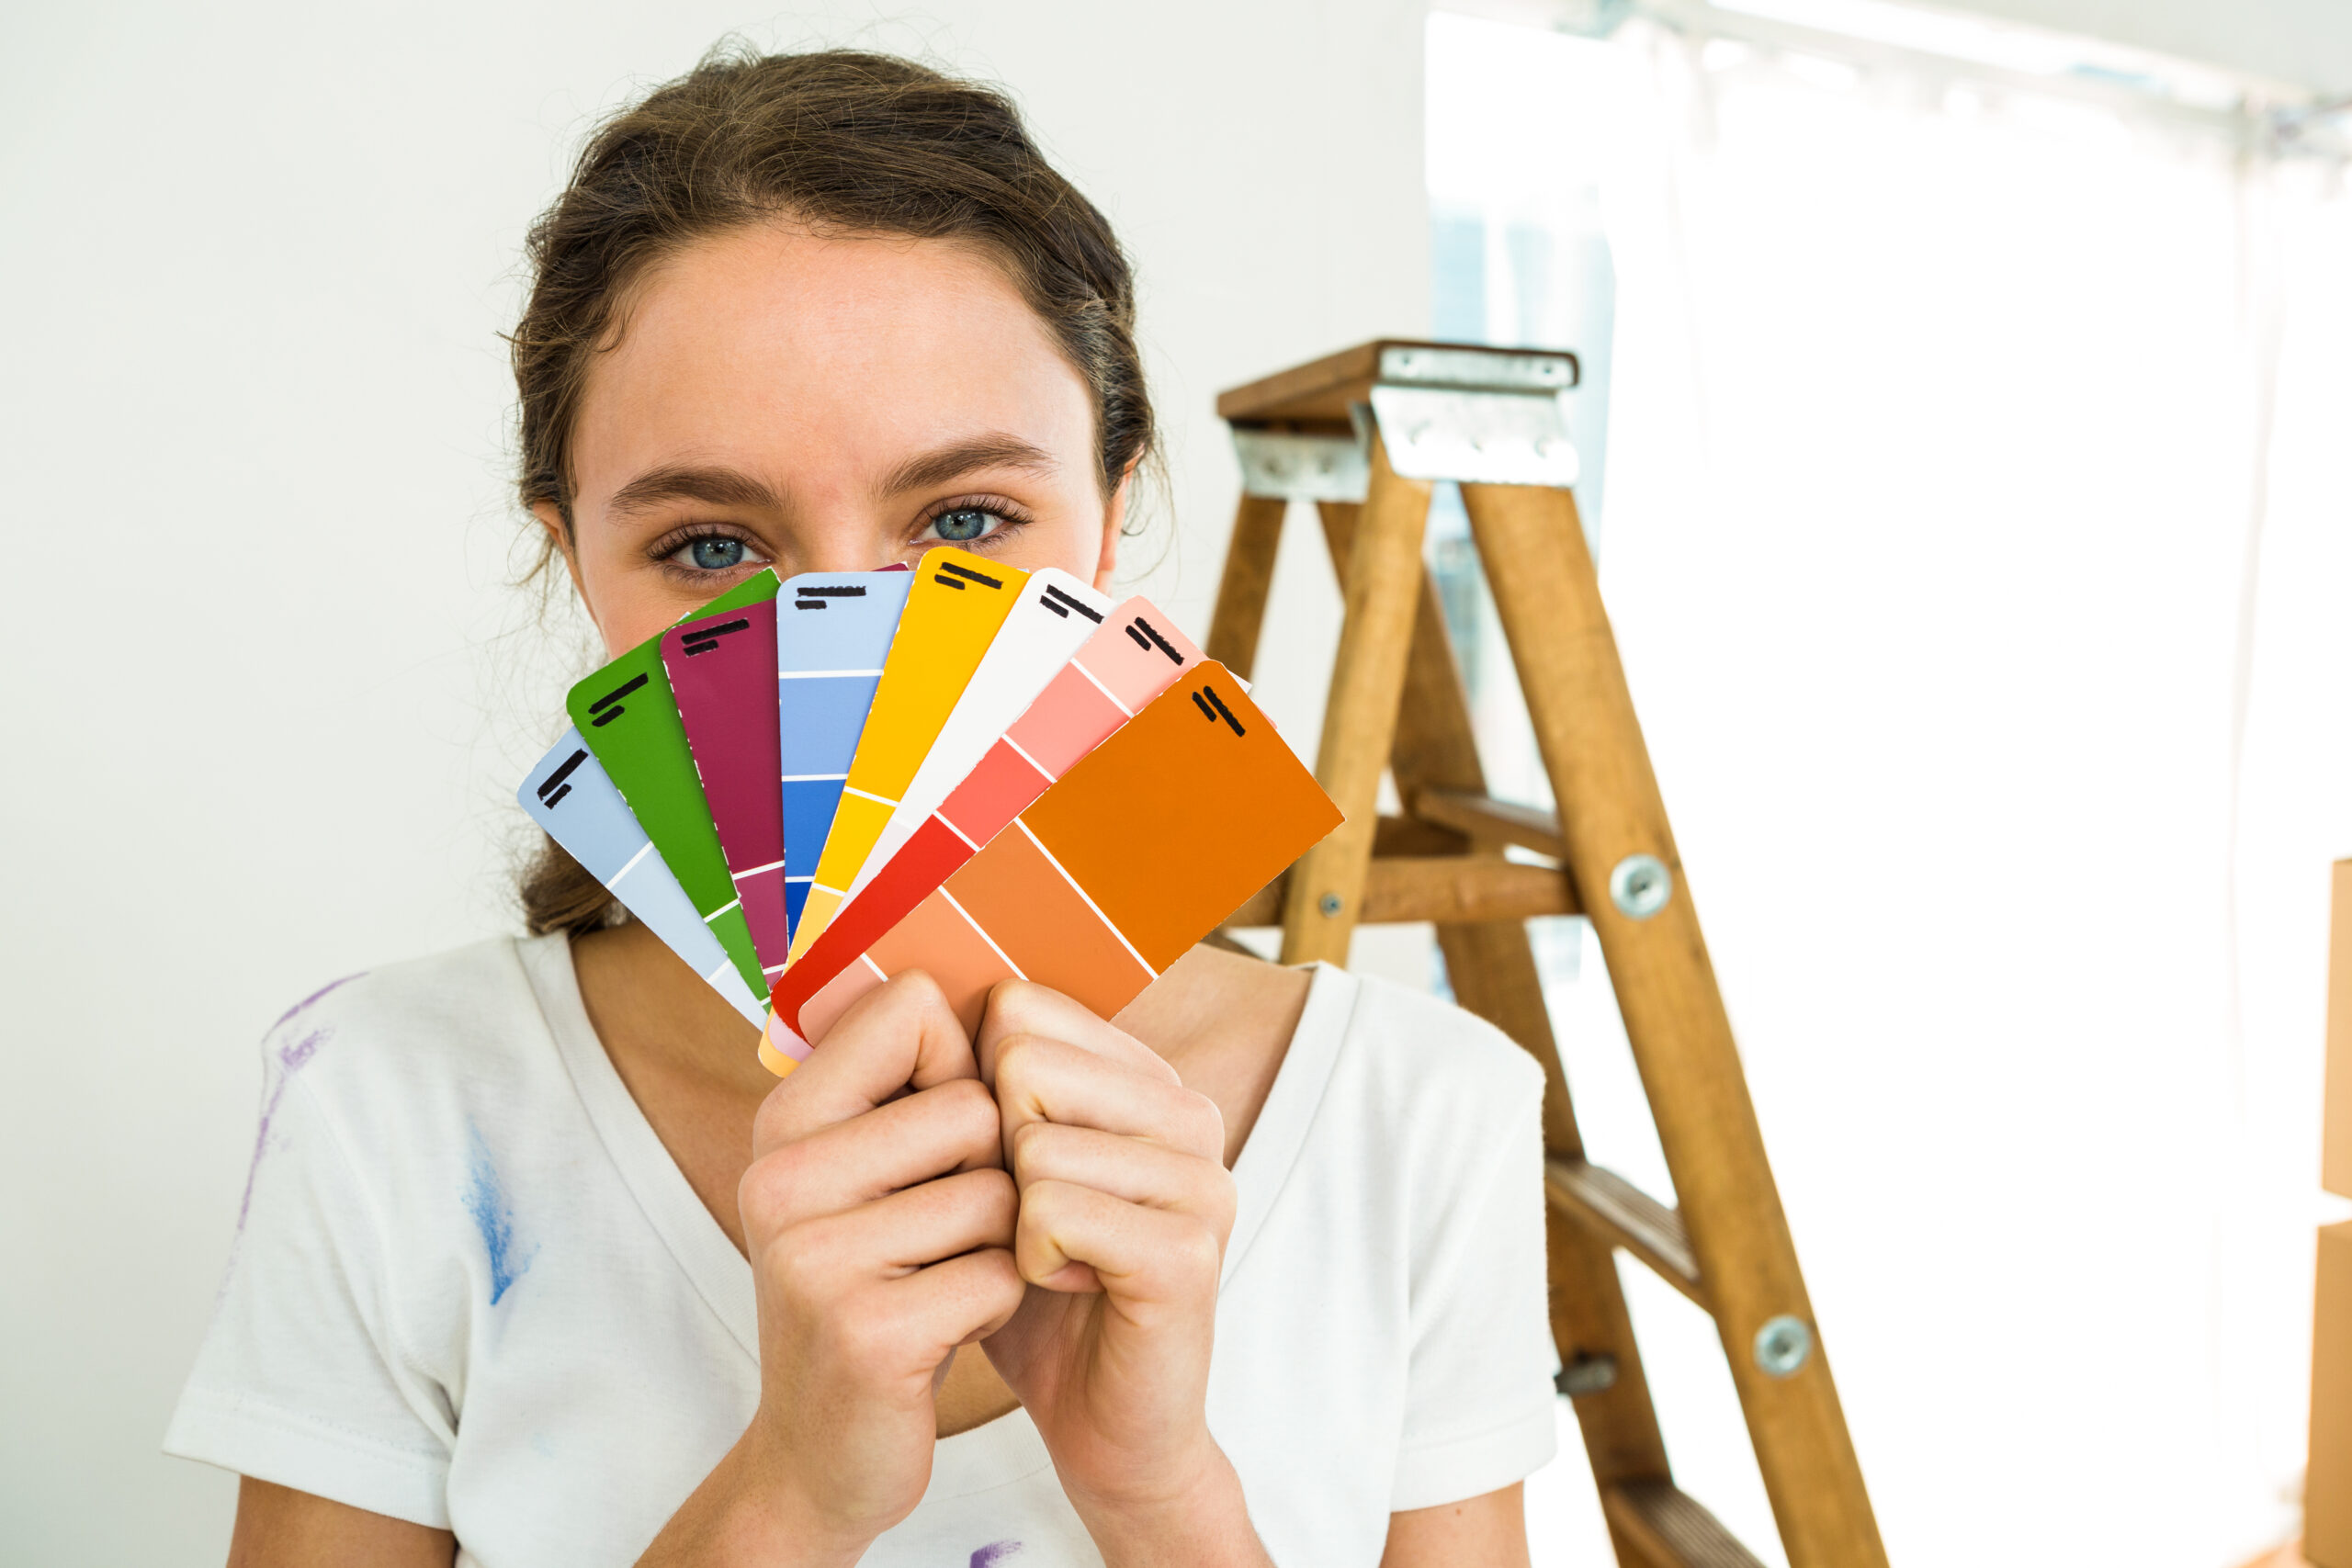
(996, 450)
(711, 486)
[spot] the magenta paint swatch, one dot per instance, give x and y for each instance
(722, 673)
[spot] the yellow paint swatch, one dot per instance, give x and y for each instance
(952, 612)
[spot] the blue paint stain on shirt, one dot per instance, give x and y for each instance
(986, 1557)
(493, 1217)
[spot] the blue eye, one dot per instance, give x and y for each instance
(716, 554)
(961, 525)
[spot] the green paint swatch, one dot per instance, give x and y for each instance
(631, 721)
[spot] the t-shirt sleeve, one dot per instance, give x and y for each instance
(1479, 1400)
(302, 1379)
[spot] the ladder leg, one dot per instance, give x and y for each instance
(1549, 602)
(1241, 589)
(1382, 587)
(1494, 974)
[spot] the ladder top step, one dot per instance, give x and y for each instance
(1319, 394)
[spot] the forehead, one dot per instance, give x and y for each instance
(782, 349)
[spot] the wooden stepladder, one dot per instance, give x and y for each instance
(1364, 434)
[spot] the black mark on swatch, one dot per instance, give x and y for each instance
(553, 788)
(612, 700)
(702, 639)
(1158, 641)
(1061, 604)
(949, 582)
(966, 573)
(1222, 711)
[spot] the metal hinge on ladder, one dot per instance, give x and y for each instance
(1481, 415)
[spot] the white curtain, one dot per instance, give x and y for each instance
(1978, 533)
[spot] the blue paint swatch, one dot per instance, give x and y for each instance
(569, 795)
(832, 632)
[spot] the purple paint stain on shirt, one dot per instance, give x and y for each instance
(299, 1008)
(987, 1556)
(289, 1059)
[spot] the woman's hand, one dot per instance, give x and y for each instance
(878, 1218)
(1125, 1205)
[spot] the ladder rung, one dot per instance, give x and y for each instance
(1411, 836)
(1449, 889)
(1483, 817)
(1671, 1530)
(1624, 1215)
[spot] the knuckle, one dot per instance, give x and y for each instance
(864, 1334)
(1202, 1125)
(1196, 1249)
(1223, 1201)
(919, 993)
(1014, 1002)
(1032, 1146)
(809, 1259)
(765, 1195)
(971, 1107)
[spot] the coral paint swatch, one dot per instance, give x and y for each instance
(1135, 655)
(954, 610)
(1112, 873)
(719, 668)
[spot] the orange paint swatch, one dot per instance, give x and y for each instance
(1132, 856)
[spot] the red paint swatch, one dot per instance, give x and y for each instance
(1135, 655)
(722, 674)
(1114, 872)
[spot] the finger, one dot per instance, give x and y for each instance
(1138, 1253)
(902, 1032)
(950, 1127)
(1042, 1079)
(821, 1259)
(1024, 1007)
(968, 1297)
(904, 1329)
(1129, 1169)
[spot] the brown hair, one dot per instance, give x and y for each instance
(863, 143)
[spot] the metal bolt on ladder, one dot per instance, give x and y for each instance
(1364, 434)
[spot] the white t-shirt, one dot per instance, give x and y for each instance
(469, 1287)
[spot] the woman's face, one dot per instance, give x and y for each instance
(824, 404)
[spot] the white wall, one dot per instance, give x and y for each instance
(270, 689)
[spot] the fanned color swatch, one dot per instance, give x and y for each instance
(832, 633)
(568, 795)
(953, 613)
(975, 770)
(629, 720)
(719, 667)
(1121, 865)
(1133, 658)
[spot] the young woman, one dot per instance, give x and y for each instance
(537, 1266)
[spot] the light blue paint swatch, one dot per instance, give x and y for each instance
(570, 795)
(832, 632)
